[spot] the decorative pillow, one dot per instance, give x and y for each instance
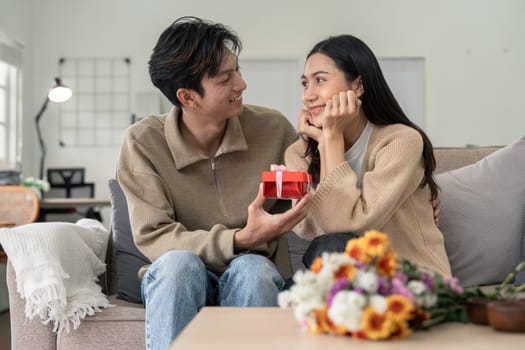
(482, 215)
(128, 258)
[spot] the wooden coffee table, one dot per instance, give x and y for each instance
(274, 328)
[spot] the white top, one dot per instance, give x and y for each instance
(354, 156)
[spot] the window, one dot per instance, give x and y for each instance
(99, 110)
(10, 104)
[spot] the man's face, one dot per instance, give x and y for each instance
(223, 93)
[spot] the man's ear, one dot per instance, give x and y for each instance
(185, 96)
(357, 86)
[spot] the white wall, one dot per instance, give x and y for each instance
(474, 52)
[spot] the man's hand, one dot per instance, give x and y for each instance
(435, 205)
(262, 226)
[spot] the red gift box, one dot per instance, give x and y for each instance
(284, 184)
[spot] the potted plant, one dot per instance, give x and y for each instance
(506, 293)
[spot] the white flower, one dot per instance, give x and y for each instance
(285, 299)
(324, 280)
(378, 302)
(304, 311)
(304, 277)
(306, 293)
(366, 280)
(347, 309)
(45, 185)
(429, 300)
(416, 287)
(332, 262)
(422, 296)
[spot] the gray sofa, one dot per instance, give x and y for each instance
(122, 326)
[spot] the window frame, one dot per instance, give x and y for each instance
(11, 108)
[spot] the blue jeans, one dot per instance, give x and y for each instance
(178, 285)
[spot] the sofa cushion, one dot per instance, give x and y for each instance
(128, 258)
(482, 215)
(119, 327)
(450, 158)
(520, 278)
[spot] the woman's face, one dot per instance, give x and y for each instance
(321, 80)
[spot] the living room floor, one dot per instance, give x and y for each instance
(5, 331)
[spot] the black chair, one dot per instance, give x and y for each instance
(69, 183)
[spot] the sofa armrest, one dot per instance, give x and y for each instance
(26, 334)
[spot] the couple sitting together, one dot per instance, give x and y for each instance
(192, 177)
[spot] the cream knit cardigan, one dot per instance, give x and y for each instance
(390, 199)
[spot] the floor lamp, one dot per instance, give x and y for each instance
(58, 93)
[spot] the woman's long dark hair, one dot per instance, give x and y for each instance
(354, 58)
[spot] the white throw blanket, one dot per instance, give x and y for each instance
(56, 266)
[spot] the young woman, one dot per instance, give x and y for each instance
(372, 167)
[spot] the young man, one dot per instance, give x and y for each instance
(192, 182)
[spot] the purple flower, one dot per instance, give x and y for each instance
(401, 277)
(383, 287)
(453, 282)
(398, 287)
(428, 281)
(360, 265)
(338, 285)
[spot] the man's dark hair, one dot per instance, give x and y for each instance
(187, 51)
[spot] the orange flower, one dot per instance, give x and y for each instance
(317, 265)
(418, 317)
(387, 264)
(325, 324)
(401, 330)
(376, 325)
(355, 250)
(345, 271)
(313, 328)
(358, 335)
(399, 307)
(375, 243)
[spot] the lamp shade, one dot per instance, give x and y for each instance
(59, 92)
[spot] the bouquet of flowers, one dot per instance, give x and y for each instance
(367, 292)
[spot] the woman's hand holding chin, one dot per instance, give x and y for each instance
(340, 111)
(307, 127)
